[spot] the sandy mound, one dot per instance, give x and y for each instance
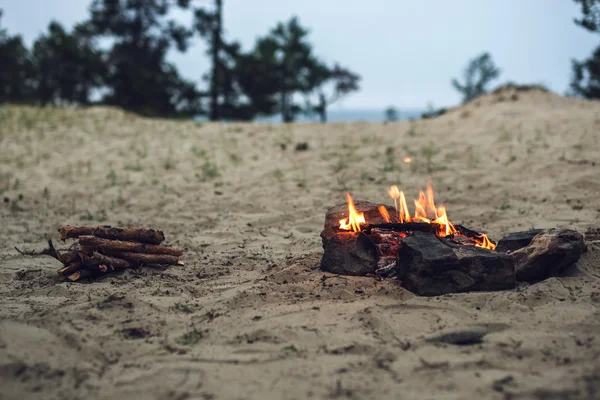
(250, 315)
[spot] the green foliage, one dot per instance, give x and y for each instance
(591, 15)
(131, 70)
(68, 65)
(585, 79)
(344, 82)
(480, 71)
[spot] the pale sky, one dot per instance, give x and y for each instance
(407, 51)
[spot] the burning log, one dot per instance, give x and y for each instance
(143, 235)
(548, 254)
(132, 247)
(431, 266)
(103, 249)
(339, 212)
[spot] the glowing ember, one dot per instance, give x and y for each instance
(407, 160)
(354, 220)
(425, 212)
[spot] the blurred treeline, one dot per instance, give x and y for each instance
(118, 57)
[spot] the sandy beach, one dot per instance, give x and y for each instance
(251, 315)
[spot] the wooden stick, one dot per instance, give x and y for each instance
(69, 269)
(82, 273)
(141, 258)
(144, 235)
(111, 262)
(70, 257)
(130, 247)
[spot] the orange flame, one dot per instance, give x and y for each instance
(384, 213)
(354, 220)
(400, 204)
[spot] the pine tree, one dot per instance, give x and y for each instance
(139, 77)
(16, 70)
(480, 71)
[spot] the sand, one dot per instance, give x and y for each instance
(250, 315)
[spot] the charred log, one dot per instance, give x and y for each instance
(144, 235)
(431, 266)
(405, 227)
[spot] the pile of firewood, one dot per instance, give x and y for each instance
(101, 249)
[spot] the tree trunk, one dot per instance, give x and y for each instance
(216, 70)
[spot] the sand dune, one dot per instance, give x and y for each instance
(250, 315)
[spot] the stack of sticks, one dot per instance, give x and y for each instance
(101, 249)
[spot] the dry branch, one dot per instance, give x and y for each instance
(51, 251)
(130, 247)
(144, 235)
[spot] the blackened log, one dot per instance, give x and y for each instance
(429, 266)
(350, 253)
(144, 235)
(516, 240)
(548, 254)
(133, 247)
(335, 214)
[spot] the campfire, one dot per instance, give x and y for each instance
(433, 219)
(430, 254)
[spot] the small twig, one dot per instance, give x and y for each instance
(27, 253)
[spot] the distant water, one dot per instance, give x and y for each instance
(348, 115)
